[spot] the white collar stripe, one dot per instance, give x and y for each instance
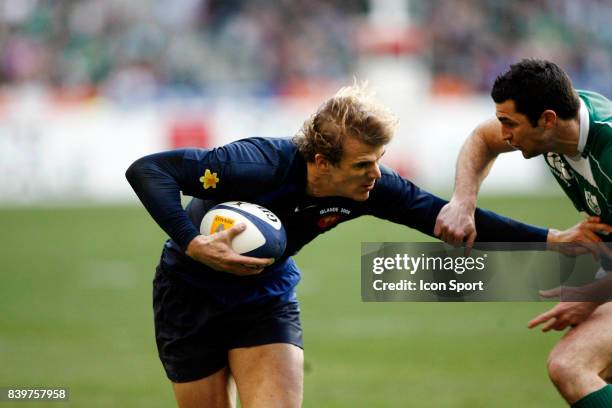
(584, 126)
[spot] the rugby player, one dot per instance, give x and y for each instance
(224, 321)
(540, 113)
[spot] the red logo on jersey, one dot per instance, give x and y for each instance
(328, 221)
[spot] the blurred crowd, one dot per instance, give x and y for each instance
(471, 41)
(148, 48)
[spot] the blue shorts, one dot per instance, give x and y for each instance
(194, 333)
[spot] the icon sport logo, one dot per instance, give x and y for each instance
(264, 236)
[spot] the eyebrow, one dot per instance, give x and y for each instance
(504, 119)
(370, 161)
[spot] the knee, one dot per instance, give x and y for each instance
(569, 373)
(562, 370)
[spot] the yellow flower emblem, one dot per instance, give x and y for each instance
(209, 179)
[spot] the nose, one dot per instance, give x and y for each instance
(375, 173)
(506, 134)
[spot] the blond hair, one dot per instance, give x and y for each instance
(351, 112)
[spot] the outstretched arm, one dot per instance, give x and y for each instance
(398, 200)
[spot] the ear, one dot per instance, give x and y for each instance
(549, 118)
(321, 162)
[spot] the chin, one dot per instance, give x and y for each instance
(361, 196)
(529, 155)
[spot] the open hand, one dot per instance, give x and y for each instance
(564, 314)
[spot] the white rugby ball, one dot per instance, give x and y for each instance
(264, 235)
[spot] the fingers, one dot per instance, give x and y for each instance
(583, 238)
(446, 234)
(598, 227)
(469, 243)
(455, 225)
(590, 228)
(551, 321)
(453, 236)
(555, 324)
(551, 293)
(438, 227)
(596, 249)
(556, 318)
(595, 224)
(245, 265)
(252, 262)
(541, 318)
(551, 324)
(459, 238)
(590, 235)
(233, 231)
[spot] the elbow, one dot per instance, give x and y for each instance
(135, 171)
(131, 172)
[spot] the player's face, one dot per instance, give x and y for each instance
(518, 132)
(354, 177)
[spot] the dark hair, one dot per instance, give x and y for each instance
(535, 86)
(352, 112)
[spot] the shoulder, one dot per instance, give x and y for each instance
(242, 167)
(254, 150)
(599, 107)
(253, 157)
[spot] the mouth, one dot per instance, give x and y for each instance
(515, 147)
(369, 186)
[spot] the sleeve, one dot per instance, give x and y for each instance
(234, 171)
(398, 200)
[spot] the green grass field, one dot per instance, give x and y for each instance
(75, 311)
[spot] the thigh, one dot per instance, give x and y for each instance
(191, 341)
(270, 375)
(589, 345)
(215, 391)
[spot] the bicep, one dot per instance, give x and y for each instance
(489, 135)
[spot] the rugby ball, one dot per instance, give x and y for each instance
(264, 235)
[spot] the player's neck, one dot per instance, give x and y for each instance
(567, 136)
(316, 184)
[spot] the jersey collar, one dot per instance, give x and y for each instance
(583, 147)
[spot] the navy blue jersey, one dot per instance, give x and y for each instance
(272, 173)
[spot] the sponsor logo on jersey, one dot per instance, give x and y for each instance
(558, 166)
(209, 179)
(591, 200)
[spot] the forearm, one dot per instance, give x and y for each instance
(493, 227)
(399, 200)
(473, 165)
(418, 209)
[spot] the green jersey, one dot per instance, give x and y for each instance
(587, 177)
